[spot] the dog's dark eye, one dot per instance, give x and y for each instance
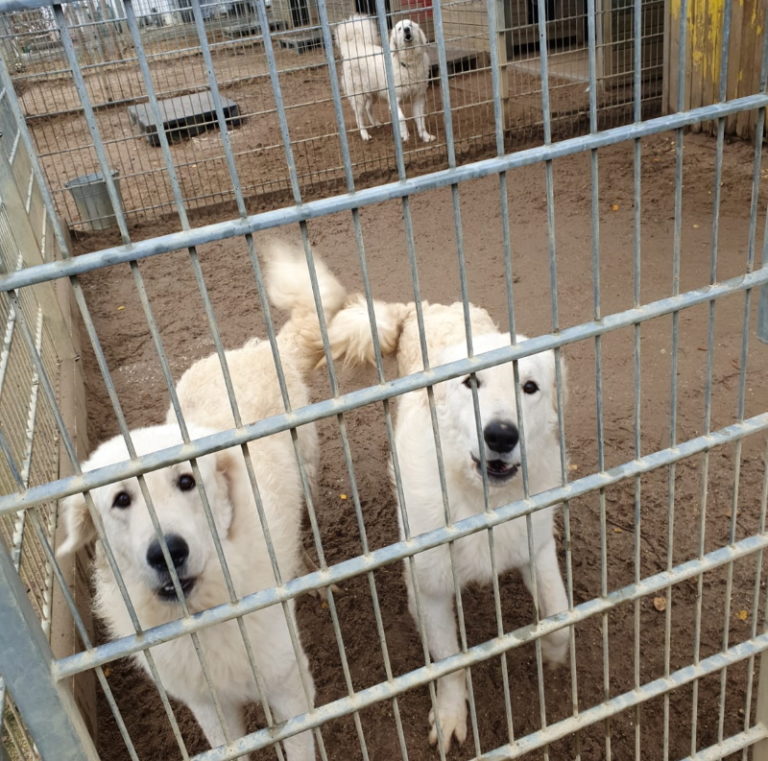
(468, 381)
(530, 387)
(186, 482)
(122, 500)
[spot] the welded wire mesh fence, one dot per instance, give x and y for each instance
(110, 57)
(635, 286)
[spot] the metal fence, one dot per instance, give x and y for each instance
(667, 627)
(37, 343)
(108, 51)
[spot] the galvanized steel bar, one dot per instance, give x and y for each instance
(90, 119)
(368, 196)
(409, 547)
(84, 636)
(741, 401)
(275, 424)
(490, 649)
(48, 708)
(23, 134)
(756, 600)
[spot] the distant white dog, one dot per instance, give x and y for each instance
(364, 76)
(350, 337)
(177, 501)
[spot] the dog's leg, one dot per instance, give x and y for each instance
(287, 700)
(442, 640)
(372, 120)
(418, 114)
(358, 106)
(551, 599)
(403, 125)
(286, 675)
(205, 712)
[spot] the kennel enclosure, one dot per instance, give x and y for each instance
(110, 66)
(682, 606)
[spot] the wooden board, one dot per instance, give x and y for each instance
(183, 116)
(456, 59)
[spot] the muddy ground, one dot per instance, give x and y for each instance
(604, 658)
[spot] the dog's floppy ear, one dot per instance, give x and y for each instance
(231, 472)
(78, 525)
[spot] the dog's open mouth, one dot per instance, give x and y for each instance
(498, 471)
(168, 592)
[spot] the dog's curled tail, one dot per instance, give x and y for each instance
(350, 334)
(356, 36)
(289, 287)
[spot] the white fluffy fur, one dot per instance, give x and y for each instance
(364, 77)
(350, 337)
(204, 402)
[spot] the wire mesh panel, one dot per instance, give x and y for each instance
(467, 464)
(109, 56)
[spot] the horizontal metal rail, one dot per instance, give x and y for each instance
(731, 744)
(493, 648)
(354, 399)
(371, 561)
(642, 694)
(376, 195)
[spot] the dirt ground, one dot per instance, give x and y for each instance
(733, 483)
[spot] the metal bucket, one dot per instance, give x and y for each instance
(92, 199)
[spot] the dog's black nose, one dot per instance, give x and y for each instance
(178, 549)
(501, 436)
(407, 32)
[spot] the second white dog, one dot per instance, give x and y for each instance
(350, 337)
(175, 494)
(364, 76)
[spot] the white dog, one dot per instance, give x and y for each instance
(364, 76)
(350, 337)
(176, 497)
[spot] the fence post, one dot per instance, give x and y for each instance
(46, 706)
(760, 749)
(762, 315)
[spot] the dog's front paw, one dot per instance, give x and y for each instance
(453, 721)
(364, 134)
(427, 138)
(554, 647)
(404, 135)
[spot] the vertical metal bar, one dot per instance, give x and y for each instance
(740, 407)
(70, 449)
(83, 634)
(23, 133)
(391, 93)
(676, 254)
(445, 93)
(760, 752)
(90, 119)
(411, 250)
(762, 313)
(47, 708)
(346, 158)
(708, 383)
(596, 314)
(495, 39)
(154, 106)
(637, 171)
(216, 96)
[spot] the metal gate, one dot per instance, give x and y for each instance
(38, 683)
